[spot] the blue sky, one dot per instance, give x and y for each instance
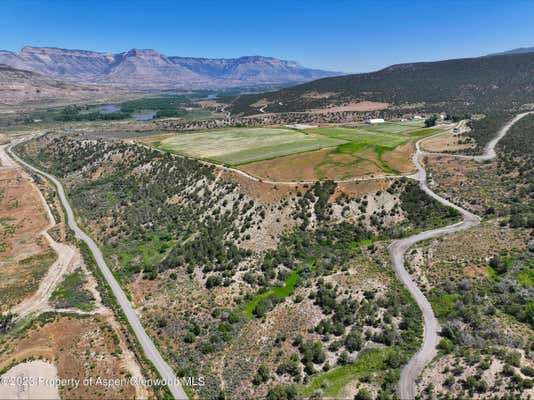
(351, 36)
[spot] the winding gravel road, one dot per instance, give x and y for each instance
(151, 352)
(398, 248)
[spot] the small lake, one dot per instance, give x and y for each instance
(145, 116)
(109, 108)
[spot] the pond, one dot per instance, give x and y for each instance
(146, 116)
(109, 108)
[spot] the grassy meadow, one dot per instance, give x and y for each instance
(335, 152)
(244, 145)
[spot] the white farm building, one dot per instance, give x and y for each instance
(373, 121)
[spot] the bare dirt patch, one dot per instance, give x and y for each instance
(356, 106)
(22, 279)
(317, 95)
(335, 170)
(260, 103)
(261, 191)
(445, 143)
(24, 253)
(35, 372)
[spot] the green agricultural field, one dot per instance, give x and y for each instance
(244, 145)
(395, 127)
(363, 141)
(363, 136)
(424, 132)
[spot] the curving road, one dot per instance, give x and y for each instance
(398, 248)
(151, 352)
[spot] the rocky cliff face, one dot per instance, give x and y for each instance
(151, 69)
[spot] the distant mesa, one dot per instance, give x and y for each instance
(147, 68)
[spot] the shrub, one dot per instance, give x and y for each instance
(282, 392)
(262, 375)
(363, 394)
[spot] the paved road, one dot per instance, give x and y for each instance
(398, 248)
(148, 346)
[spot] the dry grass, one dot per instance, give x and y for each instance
(445, 142)
(25, 256)
(401, 158)
(244, 145)
(356, 106)
(22, 216)
(322, 164)
(298, 167)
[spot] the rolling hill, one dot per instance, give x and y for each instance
(519, 50)
(151, 69)
(19, 86)
(469, 84)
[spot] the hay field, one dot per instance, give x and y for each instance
(237, 146)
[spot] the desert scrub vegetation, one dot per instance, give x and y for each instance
(487, 325)
(24, 277)
(485, 129)
(516, 161)
(179, 239)
(506, 184)
(422, 211)
(468, 306)
(71, 293)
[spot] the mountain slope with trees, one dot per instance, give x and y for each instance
(461, 85)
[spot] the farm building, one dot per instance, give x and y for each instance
(374, 121)
(301, 126)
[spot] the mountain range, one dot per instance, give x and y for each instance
(147, 69)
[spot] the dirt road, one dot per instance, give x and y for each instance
(39, 300)
(150, 350)
(398, 248)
